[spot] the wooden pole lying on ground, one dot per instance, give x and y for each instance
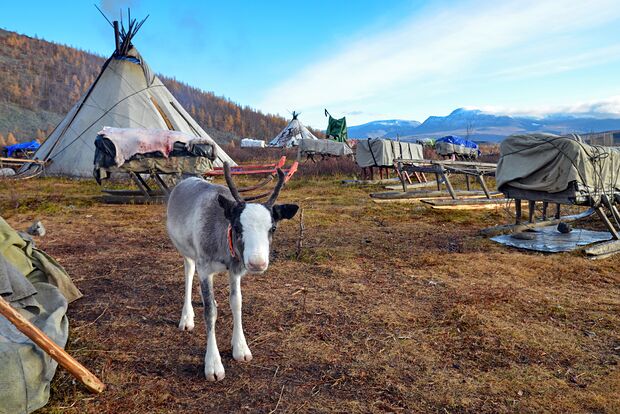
(45, 343)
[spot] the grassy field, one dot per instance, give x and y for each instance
(387, 308)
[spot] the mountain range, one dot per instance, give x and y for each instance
(482, 126)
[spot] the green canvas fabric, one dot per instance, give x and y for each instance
(337, 129)
(41, 297)
(26, 258)
(25, 370)
(324, 147)
(382, 152)
(549, 163)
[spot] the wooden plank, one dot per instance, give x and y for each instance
(603, 250)
(51, 348)
(487, 206)
(130, 199)
(369, 182)
(610, 227)
(426, 194)
(448, 184)
(446, 162)
(415, 185)
(509, 228)
(518, 211)
(123, 192)
(484, 185)
(531, 206)
(21, 161)
(469, 201)
(146, 190)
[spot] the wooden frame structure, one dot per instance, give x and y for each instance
(18, 162)
(154, 195)
(441, 169)
(249, 169)
(469, 199)
(145, 193)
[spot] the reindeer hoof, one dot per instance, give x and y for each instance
(186, 323)
(242, 353)
(214, 371)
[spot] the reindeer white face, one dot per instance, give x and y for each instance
(257, 227)
(252, 227)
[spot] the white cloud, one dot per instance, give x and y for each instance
(446, 45)
(601, 108)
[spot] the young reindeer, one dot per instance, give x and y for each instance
(216, 230)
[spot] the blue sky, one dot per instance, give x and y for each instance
(365, 59)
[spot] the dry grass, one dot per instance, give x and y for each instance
(403, 309)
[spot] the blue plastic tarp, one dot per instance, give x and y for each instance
(455, 139)
(23, 146)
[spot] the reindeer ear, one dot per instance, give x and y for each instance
(227, 205)
(284, 211)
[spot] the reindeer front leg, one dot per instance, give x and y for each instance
(241, 352)
(214, 370)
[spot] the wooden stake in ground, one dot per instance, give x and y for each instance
(300, 240)
(45, 343)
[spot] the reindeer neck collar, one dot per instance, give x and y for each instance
(229, 236)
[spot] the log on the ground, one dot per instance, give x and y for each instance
(603, 250)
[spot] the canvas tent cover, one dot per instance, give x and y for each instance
(453, 144)
(127, 95)
(337, 129)
(23, 146)
(41, 296)
(292, 134)
(324, 147)
(551, 163)
(382, 152)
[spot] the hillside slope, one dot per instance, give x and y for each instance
(41, 80)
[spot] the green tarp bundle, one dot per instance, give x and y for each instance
(40, 289)
(337, 129)
(550, 163)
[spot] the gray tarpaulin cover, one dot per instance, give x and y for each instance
(550, 240)
(549, 163)
(324, 146)
(382, 152)
(25, 370)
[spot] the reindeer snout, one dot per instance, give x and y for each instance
(257, 263)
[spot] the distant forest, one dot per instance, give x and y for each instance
(40, 81)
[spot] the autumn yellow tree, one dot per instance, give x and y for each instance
(2, 142)
(10, 139)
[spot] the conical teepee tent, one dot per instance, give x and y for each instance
(292, 134)
(126, 94)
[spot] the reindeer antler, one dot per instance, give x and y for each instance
(231, 185)
(276, 190)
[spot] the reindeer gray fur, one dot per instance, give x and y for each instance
(198, 219)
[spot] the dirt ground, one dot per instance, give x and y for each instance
(389, 308)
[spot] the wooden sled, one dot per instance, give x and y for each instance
(442, 169)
